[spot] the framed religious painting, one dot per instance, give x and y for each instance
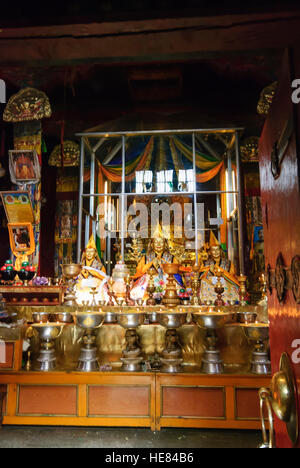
(21, 238)
(17, 206)
(24, 167)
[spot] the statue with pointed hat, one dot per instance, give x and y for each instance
(92, 265)
(157, 254)
(217, 261)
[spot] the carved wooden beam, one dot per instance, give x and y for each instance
(148, 40)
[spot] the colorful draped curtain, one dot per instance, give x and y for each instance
(161, 153)
(158, 153)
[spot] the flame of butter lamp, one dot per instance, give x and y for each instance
(243, 290)
(219, 288)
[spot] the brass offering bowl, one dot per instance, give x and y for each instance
(131, 359)
(89, 321)
(212, 320)
(246, 317)
(171, 319)
(171, 357)
(70, 271)
(258, 333)
(48, 332)
(40, 317)
(62, 317)
(131, 320)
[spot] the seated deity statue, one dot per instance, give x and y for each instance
(216, 260)
(158, 253)
(91, 263)
(92, 275)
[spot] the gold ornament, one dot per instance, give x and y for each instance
(28, 104)
(70, 157)
(249, 149)
(266, 98)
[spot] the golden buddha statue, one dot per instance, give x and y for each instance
(158, 253)
(216, 261)
(92, 265)
(92, 279)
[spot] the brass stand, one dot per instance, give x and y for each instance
(151, 288)
(171, 297)
(219, 289)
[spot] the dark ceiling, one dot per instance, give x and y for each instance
(224, 85)
(227, 87)
(16, 13)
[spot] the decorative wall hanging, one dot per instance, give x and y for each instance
(280, 278)
(21, 239)
(17, 206)
(27, 104)
(295, 269)
(266, 98)
(280, 147)
(249, 149)
(24, 167)
(70, 157)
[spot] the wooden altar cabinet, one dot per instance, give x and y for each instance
(154, 400)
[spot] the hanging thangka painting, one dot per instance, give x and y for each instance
(28, 136)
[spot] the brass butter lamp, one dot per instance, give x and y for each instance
(70, 271)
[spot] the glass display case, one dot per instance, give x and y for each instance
(186, 181)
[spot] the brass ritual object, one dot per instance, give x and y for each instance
(128, 300)
(89, 321)
(219, 288)
(259, 334)
(282, 397)
(135, 251)
(48, 333)
(171, 297)
(242, 291)
(70, 271)
(195, 283)
(211, 321)
(151, 287)
(172, 356)
(118, 285)
(132, 354)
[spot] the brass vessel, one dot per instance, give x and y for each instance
(48, 333)
(89, 321)
(171, 297)
(258, 333)
(212, 320)
(70, 271)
